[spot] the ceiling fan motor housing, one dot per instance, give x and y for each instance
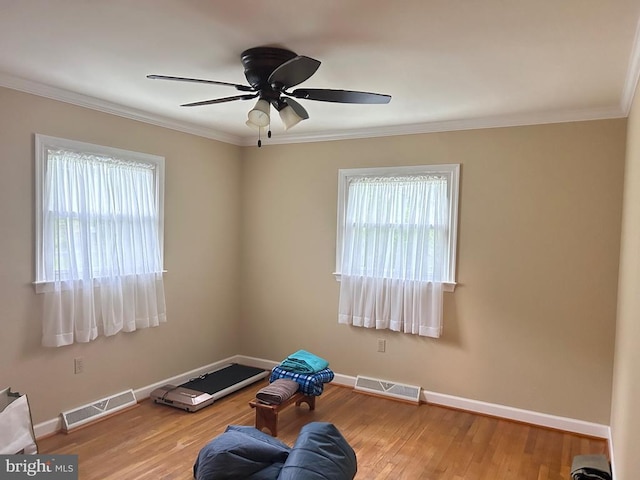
(260, 62)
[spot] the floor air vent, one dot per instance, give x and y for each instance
(94, 411)
(409, 393)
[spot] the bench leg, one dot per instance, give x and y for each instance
(309, 400)
(267, 418)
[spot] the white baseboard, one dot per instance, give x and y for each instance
(475, 406)
(54, 425)
(611, 450)
(255, 362)
(526, 416)
(48, 427)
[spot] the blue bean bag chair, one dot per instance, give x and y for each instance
(319, 453)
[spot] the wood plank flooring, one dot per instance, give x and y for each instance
(392, 440)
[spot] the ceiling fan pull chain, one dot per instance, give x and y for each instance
(259, 140)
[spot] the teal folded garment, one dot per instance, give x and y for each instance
(304, 362)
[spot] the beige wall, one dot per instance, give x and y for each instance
(201, 256)
(625, 414)
(531, 324)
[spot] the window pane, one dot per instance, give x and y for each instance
(397, 227)
(100, 216)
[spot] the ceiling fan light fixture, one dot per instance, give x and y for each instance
(259, 115)
(289, 117)
(263, 130)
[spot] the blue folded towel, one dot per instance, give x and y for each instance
(311, 384)
(304, 362)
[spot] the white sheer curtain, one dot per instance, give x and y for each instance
(102, 259)
(394, 253)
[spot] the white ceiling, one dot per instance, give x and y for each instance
(448, 64)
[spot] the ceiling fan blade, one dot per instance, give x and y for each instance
(340, 96)
(299, 109)
(220, 100)
(292, 72)
(242, 88)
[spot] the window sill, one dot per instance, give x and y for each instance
(44, 286)
(448, 286)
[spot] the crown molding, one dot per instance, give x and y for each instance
(564, 116)
(66, 96)
(633, 74)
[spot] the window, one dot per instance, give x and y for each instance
(396, 241)
(99, 219)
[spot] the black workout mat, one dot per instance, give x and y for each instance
(220, 379)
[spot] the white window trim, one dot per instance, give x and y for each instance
(451, 171)
(45, 142)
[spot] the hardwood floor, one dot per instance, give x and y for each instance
(392, 440)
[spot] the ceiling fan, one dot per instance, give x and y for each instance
(271, 72)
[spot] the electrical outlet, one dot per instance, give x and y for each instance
(78, 365)
(382, 345)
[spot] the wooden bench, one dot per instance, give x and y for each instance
(267, 415)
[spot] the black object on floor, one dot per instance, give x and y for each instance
(226, 380)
